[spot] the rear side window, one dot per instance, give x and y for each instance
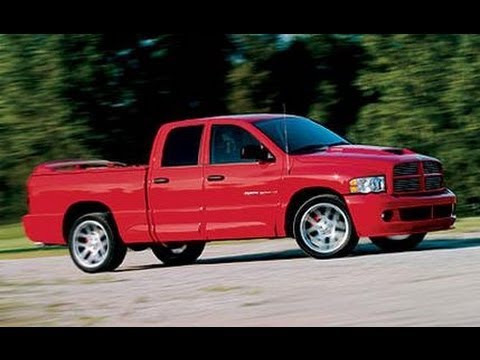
(182, 146)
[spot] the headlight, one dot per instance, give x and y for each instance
(367, 185)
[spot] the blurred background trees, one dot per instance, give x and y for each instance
(102, 95)
(427, 89)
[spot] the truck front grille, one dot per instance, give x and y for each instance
(417, 177)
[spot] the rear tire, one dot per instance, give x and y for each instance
(94, 244)
(178, 254)
(323, 228)
(390, 244)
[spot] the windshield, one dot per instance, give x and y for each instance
(304, 135)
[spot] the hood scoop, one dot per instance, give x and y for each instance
(369, 150)
(395, 151)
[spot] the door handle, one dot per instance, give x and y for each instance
(161, 180)
(215, 178)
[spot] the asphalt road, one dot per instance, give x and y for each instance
(259, 283)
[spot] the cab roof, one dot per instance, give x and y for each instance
(240, 117)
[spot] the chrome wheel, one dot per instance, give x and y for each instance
(178, 253)
(398, 237)
(324, 228)
(398, 242)
(177, 250)
(90, 244)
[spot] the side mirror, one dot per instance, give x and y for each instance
(257, 152)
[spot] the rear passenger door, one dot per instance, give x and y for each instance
(175, 186)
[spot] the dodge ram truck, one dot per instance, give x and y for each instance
(238, 177)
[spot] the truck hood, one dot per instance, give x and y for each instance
(360, 156)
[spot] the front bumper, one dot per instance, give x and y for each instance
(401, 214)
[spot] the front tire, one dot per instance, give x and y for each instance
(178, 254)
(401, 243)
(323, 228)
(94, 245)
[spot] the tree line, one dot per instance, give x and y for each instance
(105, 95)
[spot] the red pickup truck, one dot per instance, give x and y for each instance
(238, 177)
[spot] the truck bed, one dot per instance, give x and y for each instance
(55, 188)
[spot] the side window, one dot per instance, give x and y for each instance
(182, 146)
(227, 143)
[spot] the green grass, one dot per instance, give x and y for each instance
(466, 225)
(15, 245)
(33, 254)
(12, 236)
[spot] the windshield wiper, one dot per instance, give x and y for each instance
(338, 143)
(309, 148)
(316, 147)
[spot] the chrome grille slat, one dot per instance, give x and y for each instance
(407, 185)
(404, 169)
(432, 167)
(433, 182)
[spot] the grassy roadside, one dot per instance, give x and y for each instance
(465, 225)
(14, 244)
(33, 254)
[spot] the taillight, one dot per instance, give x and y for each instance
(28, 194)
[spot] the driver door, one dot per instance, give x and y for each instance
(241, 195)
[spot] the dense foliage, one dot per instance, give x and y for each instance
(428, 88)
(69, 96)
